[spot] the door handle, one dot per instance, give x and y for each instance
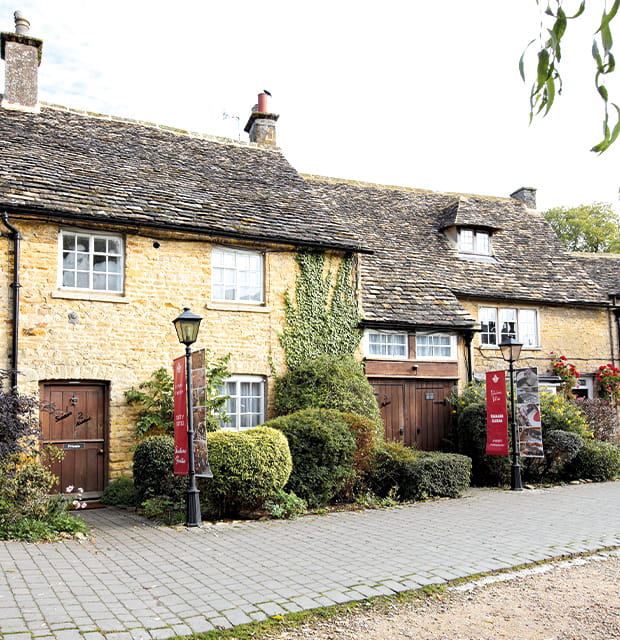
(100, 451)
(444, 402)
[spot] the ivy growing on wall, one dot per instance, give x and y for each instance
(323, 318)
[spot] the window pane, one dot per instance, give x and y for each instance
(68, 260)
(508, 324)
(99, 282)
(83, 243)
(241, 272)
(528, 327)
(99, 263)
(114, 246)
(488, 325)
(68, 279)
(466, 240)
(68, 242)
(82, 280)
(387, 344)
(114, 283)
(100, 245)
(482, 243)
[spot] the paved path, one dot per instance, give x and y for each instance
(137, 580)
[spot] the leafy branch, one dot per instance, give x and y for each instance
(548, 82)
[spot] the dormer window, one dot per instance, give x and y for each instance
(474, 242)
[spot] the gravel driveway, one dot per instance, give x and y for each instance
(571, 600)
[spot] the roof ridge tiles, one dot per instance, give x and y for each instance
(161, 127)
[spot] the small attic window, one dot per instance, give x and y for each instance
(474, 242)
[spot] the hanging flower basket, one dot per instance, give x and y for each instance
(608, 378)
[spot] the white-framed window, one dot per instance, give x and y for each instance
(92, 261)
(386, 344)
(246, 402)
(435, 346)
(474, 242)
(237, 276)
(499, 324)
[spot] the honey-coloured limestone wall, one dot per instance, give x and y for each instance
(121, 339)
(581, 333)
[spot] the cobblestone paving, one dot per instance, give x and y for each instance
(136, 580)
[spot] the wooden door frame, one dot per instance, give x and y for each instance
(105, 387)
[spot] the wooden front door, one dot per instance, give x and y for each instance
(391, 400)
(74, 419)
(415, 412)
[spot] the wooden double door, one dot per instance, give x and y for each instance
(415, 412)
(74, 418)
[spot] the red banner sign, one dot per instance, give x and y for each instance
(497, 414)
(181, 461)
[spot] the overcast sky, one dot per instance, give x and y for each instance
(405, 92)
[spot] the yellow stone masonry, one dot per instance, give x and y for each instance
(122, 339)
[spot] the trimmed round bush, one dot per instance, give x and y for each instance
(153, 470)
(249, 467)
(406, 474)
(439, 475)
(598, 461)
(389, 471)
(327, 383)
(322, 447)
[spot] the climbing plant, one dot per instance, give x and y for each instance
(323, 317)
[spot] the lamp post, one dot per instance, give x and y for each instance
(187, 325)
(511, 350)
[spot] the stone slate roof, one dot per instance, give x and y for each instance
(86, 167)
(415, 276)
(603, 268)
(464, 212)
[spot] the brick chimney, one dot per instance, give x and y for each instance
(262, 125)
(22, 56)
(527, 195)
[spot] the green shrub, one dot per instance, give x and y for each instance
(400, 471)
(327, 383)
(439, 475)
(561, 414)
(598, 461)
(120, 493)
(368, 437)
(28, 510)
(153, 464)
(389, 471)
(165, 510)
(322, 447)
(285, 505)
(249, 467)
(470, 440)
(560, 447)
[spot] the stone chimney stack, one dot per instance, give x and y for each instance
(22, 57)
(527, 195)
(261, 125)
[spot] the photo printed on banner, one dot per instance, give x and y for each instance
(528, 413)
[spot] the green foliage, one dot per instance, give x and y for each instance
(407, 474)
(322, 447)
(328, 382)
(598, 461)
(591, 228)
(249, 467)
(323, 319)
(28, 510)
(286, 506)
(560, 448)
(170, 511)
(470, 440)
(216, 373)
(120, 493)
(440, 475)
(153, 464)
(548, 82)
(19, 424)
(368, 437)
(155, 398)
(601, 417)
(562, 414)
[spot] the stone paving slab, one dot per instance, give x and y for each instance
(136, 580)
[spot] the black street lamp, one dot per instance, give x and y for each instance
(511, 350)
(187, 325)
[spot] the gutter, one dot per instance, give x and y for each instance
(16, 237)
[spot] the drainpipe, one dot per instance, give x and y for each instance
(15, 236)
(468, 337)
